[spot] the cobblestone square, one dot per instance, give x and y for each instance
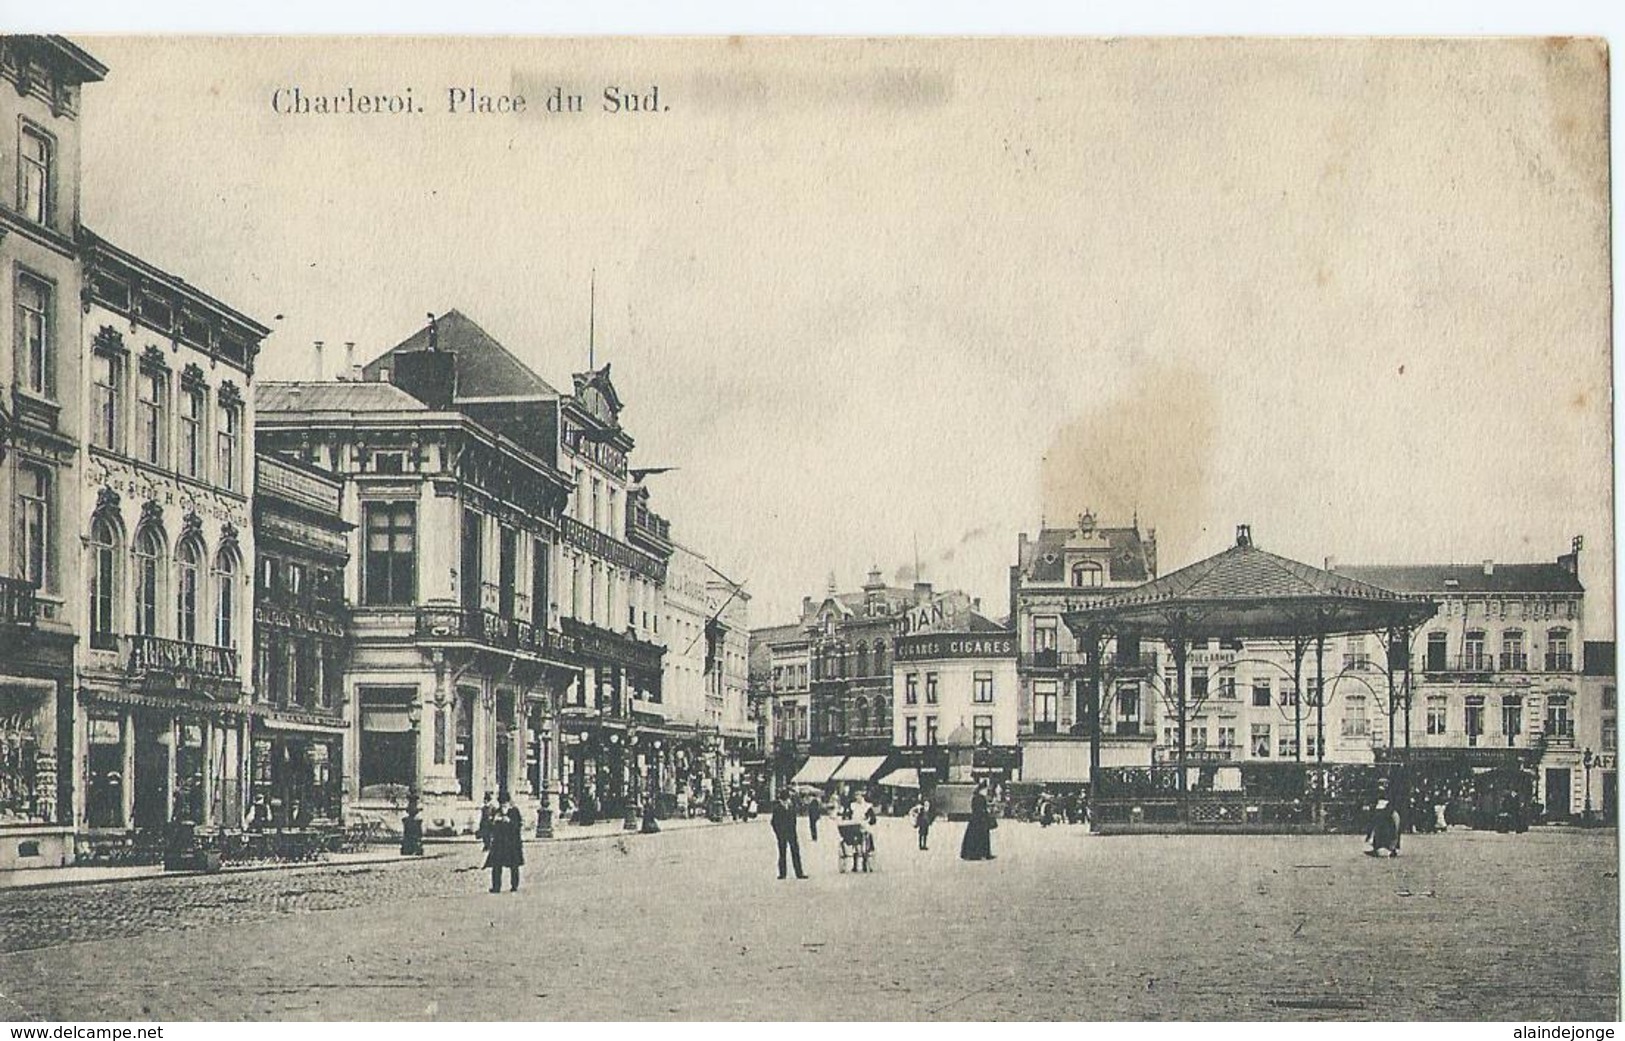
(693, 924)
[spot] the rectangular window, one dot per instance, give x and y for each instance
(391, 553)
(1261, 693)
(34, 523)
(1436, 716)
(1287, 745)
(1044, 635)
(982, 688)
(1044, 706)
(1198, 738)
(1227, 737)
(982, 729)
(538, 584)
(1311, 745)
(1355, 721)
(911, 731)
(191, 453)
(911, 689)
(35, 157)
(1511, 718)
(1289, 693)
(1198, 684)
(35, 352)
(1610, 699)
(1473, 720)
(107, 411)
(1610, 734)
(226, 446)
(1261, 740)
(930, 688)
(152, 392)
(930, 730)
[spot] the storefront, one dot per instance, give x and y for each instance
(33, 805)
(152, 759)
(296, 771)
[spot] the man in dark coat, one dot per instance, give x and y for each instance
(507, 846)
(488, 817)
(784, 829)
(815, 810)
(978, 841)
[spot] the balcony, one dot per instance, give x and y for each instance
(644, 521)
(1474, 663)
(612, 648)
(1514, 661)
(18, 609)
(1558, 661)
(1143, 661)
(491, 630)
(153, 657)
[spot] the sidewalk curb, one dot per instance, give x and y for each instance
(246, 869)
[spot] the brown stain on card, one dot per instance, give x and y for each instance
(1144, 452)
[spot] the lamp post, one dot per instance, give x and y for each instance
(1586, 761)
(629, 761)
(412, 824)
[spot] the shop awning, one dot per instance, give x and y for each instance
(273, 723)
(385, 719)
(21, 692)
(817, 769)
(907, 777)
(860, 768)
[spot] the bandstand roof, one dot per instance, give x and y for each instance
(1246, 592)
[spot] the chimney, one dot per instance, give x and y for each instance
(976, 604)
(1570, 562)
(319, 367)
(922, 589)
(1489, 567)
(349, 361)
(1244, 534)
(1331, 564)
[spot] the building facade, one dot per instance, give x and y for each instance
(955, 670)
(1058, 569)
(298, 732)
(782, 671)
(42, 418)
(165, 689)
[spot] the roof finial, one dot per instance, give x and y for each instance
(592, 314)
(1244, 534)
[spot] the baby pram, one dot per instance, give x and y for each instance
(857, 850)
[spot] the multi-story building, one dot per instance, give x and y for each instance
(298, 730)
(955, 669)
(166, 512)
(514, 647)
(1059, 569)
(1597, 731)
(1497, 670)
(781, 667)
(456, 654)
(693, 738)
(851, 643)
(42, 423)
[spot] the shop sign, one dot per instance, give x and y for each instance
(1602, 762)
(1193, 756)
(611, 550)
(957, 645)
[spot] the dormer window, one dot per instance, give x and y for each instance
(1086, 575)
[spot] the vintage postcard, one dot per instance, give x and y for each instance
(520, 529)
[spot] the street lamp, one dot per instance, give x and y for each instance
(1586, 761)
(412, 824)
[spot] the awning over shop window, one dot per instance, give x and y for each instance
(22, 692)
(817, 769)
(859, 768)
(385, 719)
(272, 723)
(907, 777)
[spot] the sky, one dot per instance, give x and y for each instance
(868, 296)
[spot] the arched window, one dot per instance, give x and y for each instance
(1086, 575)
(863, 660)
(225, 597)
(861, 716)
(105, 559)
(149, 572)
(188, 562)
(880, 657)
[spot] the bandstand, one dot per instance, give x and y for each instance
(1243, 593)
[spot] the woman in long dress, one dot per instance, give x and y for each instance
(978, 841)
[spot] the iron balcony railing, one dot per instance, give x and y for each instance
(1474, 662)
(492, 630)
(1514, 661)
(151, 655)
(1558, 661)
(18, 607)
